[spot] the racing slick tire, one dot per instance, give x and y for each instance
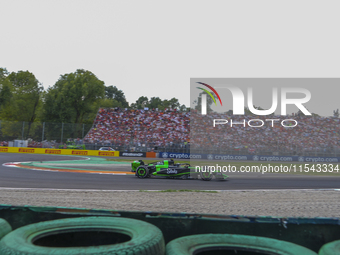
(233, 244)
(142, 172)
(85, 235)
(206, 176)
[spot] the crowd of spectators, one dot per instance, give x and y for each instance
(139, 128)
(153, 128)
(3, 143)
(311, 134)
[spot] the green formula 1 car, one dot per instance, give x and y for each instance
(168, 168)
(72, 145)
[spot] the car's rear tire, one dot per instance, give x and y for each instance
(142, 172)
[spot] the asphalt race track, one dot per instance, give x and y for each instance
(12, 177)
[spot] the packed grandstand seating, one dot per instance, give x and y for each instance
(153, 128)
(139, 127)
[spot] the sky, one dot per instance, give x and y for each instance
(153, 48)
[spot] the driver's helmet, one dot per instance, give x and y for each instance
(171, 162)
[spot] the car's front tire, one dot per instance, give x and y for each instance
(206, 176)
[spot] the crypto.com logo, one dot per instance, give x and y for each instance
(238, 100)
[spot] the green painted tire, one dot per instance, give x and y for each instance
(332, 248)
(227, 243)
(206, 176)
(85, 235)
(5, 228)
(142, 172)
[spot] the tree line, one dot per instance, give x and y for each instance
(74, 98)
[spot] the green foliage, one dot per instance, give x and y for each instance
(3, 73)
(141, 103)
(74, 99)
(5, 88)
(26, 95)
(157, 103)
(19, 100)
(5, 92)
(117, 96)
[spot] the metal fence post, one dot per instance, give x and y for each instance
(22, 133)
(42, 138)
(62, 132)
(83, 131)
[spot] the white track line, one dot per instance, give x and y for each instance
(15, 164)
(92, 190)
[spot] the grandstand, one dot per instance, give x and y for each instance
(170, 131)
(140, 129)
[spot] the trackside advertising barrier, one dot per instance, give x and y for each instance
(249, 157)
(132, 154)
(60, 151)
(138, 154)
(151, 154)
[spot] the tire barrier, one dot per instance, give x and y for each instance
(314, 234)
(5, 228)
(206, 244)
(332, 248)
(85, 235)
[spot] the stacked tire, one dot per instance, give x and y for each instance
(85, 235)
(228, 244)
(5, 228)
(332, 248)
(118, 236)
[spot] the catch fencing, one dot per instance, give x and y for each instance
(42, 131)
